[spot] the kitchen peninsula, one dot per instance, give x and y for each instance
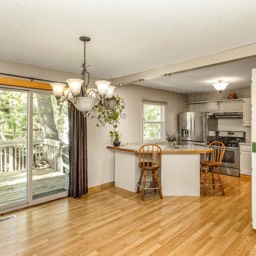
(180, 169)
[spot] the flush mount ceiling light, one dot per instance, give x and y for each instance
(220, 85)
(77, 91)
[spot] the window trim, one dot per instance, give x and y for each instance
(163, 121)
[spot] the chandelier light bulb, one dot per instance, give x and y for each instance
(57, 89)
(102, 87)
(75, 86)
(110, 92)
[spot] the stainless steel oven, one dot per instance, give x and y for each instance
(231, 162)
(231, 159)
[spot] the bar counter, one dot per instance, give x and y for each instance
(180, 168)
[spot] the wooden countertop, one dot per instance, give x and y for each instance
(179, 149)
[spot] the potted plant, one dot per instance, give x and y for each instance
(111, 114)
(115, 138)
(172, 140)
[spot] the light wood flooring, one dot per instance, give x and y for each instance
(113, 221)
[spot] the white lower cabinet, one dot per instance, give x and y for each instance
(247, 112)
(245, 159)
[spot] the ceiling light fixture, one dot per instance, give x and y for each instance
(167, 74)
(220, 85)
(79, 94)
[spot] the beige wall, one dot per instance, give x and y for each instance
(101, 160)
(38, 72)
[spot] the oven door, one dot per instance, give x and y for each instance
(230, 162)
(231, 158)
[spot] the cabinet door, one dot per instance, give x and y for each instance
(247, 112)
(231, 106)
(246, 163)
(204, 107)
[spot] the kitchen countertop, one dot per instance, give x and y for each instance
(179, 149)
(247, 143)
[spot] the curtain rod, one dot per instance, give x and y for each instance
(31, 78)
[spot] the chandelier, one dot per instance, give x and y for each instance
(77, 91)
(220, 85)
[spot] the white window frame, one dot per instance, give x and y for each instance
(162, 122)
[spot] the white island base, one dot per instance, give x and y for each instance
(180, 175)
(180, 171)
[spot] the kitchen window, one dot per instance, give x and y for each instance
(153, 121)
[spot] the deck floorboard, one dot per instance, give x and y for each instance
(46, 181)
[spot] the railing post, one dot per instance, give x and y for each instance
(10, 159)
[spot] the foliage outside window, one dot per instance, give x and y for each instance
(13, 116)
(153, 122)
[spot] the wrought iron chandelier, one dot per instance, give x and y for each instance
(84, 98)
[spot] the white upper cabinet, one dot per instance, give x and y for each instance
(231, 106)
(247, 112)
(217, 106)
(204, 107)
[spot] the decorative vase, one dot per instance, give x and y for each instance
(116, 143)
(171, 144)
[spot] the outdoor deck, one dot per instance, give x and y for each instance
(46, 181)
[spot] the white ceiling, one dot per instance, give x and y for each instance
(237, 73)
(127, 36)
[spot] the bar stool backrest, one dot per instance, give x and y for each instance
(218, 153)
(150, 156)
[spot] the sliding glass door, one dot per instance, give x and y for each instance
(13, 147)
(50, 147)
(34, 162)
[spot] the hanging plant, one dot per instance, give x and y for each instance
(111, 113)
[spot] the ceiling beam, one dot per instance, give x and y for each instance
(209, 60)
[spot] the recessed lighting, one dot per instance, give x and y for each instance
(121, 84)
(167, 74)
(141, 80)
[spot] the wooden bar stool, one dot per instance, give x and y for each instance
(210, 167)
(149, 161)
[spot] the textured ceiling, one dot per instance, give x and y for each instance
(127, 36)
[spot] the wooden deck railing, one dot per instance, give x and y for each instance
(13, 154)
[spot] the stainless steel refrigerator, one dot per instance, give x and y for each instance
(194, 127)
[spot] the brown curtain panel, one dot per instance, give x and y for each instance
(78, 179)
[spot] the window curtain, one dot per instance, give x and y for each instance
(78, 179)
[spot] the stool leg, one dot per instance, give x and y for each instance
(159, 185)
(139, 183)
(220, 182)
(213, 180)
(205, 181)
(143, 184)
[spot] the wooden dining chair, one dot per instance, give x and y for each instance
(149, 162)
(210, 167)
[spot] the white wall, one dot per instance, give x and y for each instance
(101, 160)
(253, 97)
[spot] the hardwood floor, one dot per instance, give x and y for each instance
(113, 221)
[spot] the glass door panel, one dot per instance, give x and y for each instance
(50, 147)
(13, 148)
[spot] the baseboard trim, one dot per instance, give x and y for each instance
(97, 188)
